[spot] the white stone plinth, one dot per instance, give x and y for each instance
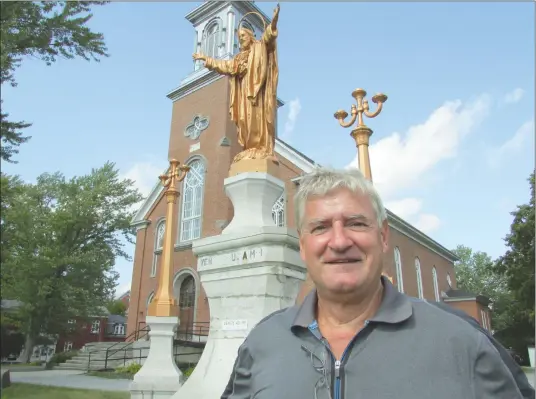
(159, 377)
(253, 195)
(247, 273)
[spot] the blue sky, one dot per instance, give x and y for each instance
(451, 151)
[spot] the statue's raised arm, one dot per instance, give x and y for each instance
(270, 33)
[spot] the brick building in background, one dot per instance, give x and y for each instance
(203, 136)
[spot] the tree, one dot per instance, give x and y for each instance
(46, 31)
(475, 273)
(517, 267)
(117, 307)
(63, 239)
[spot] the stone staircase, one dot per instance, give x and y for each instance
(92, 357)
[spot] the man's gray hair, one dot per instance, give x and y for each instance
(321, 181)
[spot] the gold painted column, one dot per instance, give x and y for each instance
(164, 304)
(361, 133)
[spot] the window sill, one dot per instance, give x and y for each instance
(183, 246)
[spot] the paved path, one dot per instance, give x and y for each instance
(70, 379)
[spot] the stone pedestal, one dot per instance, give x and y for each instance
(251, 270)
(159, 377)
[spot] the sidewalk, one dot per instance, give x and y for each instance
(69, 379)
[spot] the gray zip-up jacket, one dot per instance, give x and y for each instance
(408, 350)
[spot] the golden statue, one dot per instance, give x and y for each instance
(254, 76)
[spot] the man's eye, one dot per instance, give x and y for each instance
(317, 229)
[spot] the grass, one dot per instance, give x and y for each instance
(19, 365)
(29, 391)
(112, 375)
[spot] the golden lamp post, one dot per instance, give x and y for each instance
(164, 304)
(361, 133)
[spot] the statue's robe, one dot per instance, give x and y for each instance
(254, 76)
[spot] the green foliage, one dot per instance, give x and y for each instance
(517, 267)
(61, 238)
(475, 273)
(45, 31)
(11, 338)
(60, 357)
(11, 136)
(188, 372)
(116, 307)
(131, 369)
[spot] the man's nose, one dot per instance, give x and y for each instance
(339, 240)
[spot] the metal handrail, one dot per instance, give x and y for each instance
(138, 358)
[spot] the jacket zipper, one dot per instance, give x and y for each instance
(338, 365)
(337, 389)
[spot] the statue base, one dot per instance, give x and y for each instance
(268, 165)
(247, 272)
(159, 376)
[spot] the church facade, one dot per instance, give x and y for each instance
(203, 137)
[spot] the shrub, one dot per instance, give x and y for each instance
(189, 371)
(60, 357)
(131, 369)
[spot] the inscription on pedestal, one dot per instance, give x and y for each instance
(234, 325)
(236, 257)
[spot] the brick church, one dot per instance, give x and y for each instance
(203, 137)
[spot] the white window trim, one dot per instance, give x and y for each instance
(95, 327)
(217, 39)
(436, 284)
(280, 206)
(119, 329)
(398, 269)
(449, 280)
(182, 219)
(157, 249)
(418, 272)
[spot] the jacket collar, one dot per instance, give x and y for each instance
(394, 308)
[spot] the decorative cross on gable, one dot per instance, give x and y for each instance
(194, 129)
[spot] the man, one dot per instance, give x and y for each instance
(517, 372)
(355, 335)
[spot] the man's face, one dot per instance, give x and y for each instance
(341, 242)
(245, 39)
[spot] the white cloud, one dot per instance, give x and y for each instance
(514, 96)
(405, 208)
(121, 289)
(427, 223)
(145, 175)
(290, 123)
(401, 161)
(519, 140)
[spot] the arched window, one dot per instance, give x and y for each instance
(398, 268)
(419, 278)
(436, 284)
(449, 280)
(211, 39)
(192, 202)
(278, 211)
(149, 300)
(158, 245)
(187, 296)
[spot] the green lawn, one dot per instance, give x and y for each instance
(28, 391)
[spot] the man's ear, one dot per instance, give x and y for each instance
(384, 235)
(302, 254)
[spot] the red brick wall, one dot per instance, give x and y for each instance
(81, 334)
